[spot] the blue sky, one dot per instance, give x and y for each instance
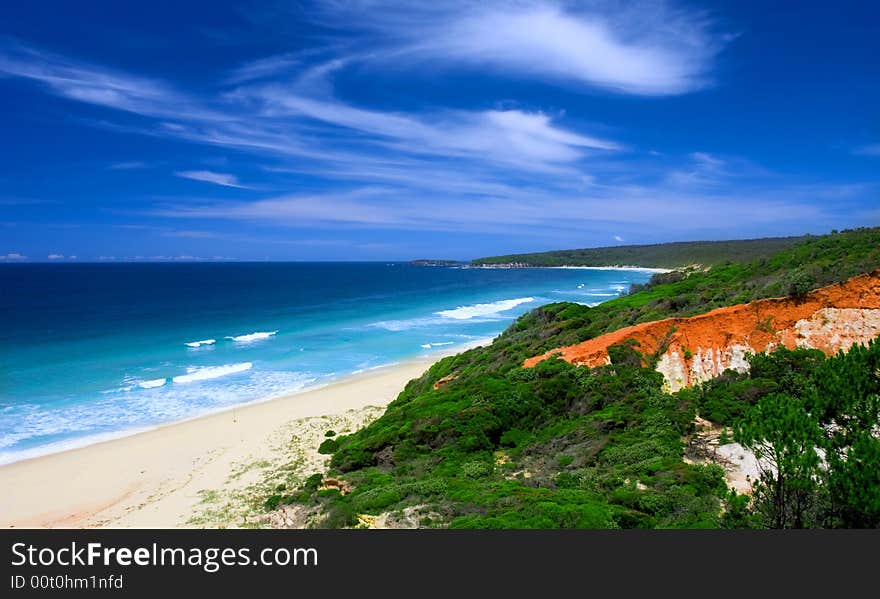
(385, 130)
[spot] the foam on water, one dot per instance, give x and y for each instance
(202, 342)
(211, 372)
(462, 315)
(34, 430)
(468, 312)
(152, 384)
(406, 324)
(438, 344)
(251, 337)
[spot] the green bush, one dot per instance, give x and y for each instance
(273, 501)
(313, 481)
(328, 446)
(476, 469)
(799, 283)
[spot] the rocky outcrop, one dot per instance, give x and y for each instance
(692, 350)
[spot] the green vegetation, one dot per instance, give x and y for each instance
(435, 263)
(791, 409)
(828, 259)
(726, 399)
(499, 446)
(662, 255)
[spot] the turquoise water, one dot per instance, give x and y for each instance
(93, 351)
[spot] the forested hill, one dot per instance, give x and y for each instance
(479, 441)
(661, 255)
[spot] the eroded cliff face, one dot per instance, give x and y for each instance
(699, 348)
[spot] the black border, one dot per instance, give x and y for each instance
(416, 563)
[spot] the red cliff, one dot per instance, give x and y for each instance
(701, 347)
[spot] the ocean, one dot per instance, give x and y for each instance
(90, 352)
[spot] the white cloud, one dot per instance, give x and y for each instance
(13, 257)
(303, 119)
(644, 48)
(55, 256)
(264, 67)
(664, 208)
(526, 139)
(99, 85)
(343, 207)
(224, 179)
(707, 161)
(702, 170)
(618, 238)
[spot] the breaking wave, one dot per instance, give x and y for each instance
(468, 312)
(211, 372)
(202, 342)
(439, 344)
(250, 337)
(152, 384)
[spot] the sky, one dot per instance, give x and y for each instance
(395, 130)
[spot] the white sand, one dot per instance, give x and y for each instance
(159, 478)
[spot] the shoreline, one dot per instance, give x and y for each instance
(157, 478)
(98, 438)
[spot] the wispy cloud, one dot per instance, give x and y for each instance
(127, 166)
(496, 165)
(224, 179)
(303, 119)
(264, 67)
(868, 150)
(99, 85)
(12, 257)
(643, 47)
(526, 139)
(661, 207)
(702, 169)
(195, 234)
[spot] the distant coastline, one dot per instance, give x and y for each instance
(456, 264)
(575, 267)
(436, 263)
(661, 255)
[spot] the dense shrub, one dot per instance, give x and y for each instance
(499, 446)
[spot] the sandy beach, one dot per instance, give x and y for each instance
(211, 471)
